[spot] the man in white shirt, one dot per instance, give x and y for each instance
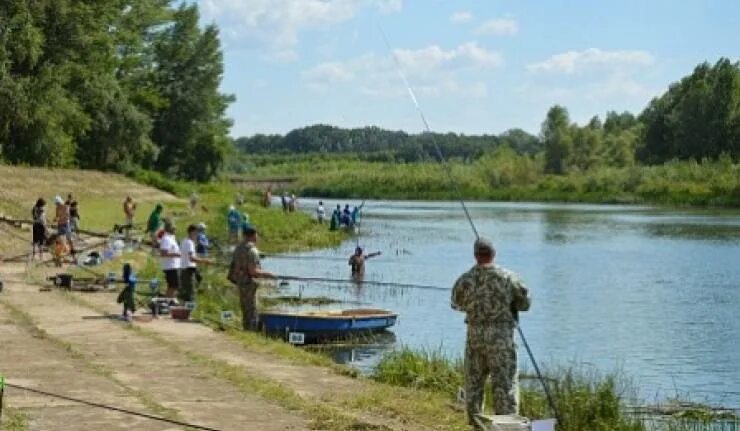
(320, 213)
(169, 252)
(189, 263)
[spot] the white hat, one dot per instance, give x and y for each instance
(58, 200)
(202, 226)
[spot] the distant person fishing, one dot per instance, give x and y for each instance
(357, 262)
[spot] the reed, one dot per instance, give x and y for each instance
(586, 399)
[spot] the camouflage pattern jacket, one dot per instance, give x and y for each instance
(489, 294)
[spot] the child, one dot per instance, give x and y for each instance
(59, 249)
(127, 294)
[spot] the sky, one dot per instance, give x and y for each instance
(482, 66)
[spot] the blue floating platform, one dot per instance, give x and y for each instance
(323, 325)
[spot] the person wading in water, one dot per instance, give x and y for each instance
(357, 262)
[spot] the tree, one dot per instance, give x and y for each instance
(191, 131)
(698, 117)
(556, 138)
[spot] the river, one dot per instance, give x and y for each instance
(650, 292)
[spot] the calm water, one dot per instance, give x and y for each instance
(652, 292)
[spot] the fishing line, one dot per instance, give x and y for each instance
(112, 408)
(441, 156)
(359, 282)
(359, 223)
(454, 185)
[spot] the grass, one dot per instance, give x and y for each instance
(14, 420)
(504, 175)
(100, 196)
(586, 400)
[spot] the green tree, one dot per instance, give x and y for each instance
(587, 147)
(698, 117)
(555, 136)
(191, 131)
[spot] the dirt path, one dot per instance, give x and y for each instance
(30, 360)
(110, 359)
(185, 370)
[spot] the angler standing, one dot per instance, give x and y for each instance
(490, 296)
(245, 269)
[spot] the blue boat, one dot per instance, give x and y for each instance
(311, 326)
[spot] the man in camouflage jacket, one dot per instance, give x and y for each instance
(245, 270)
(491, 297)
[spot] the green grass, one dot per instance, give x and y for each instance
(14, 420)
(504, 175)
(586, 400)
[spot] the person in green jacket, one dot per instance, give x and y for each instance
(154, 224)
(334, 223)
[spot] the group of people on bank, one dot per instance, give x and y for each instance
(490, 296)
(59, 242)
(179, 260)
(340, 218)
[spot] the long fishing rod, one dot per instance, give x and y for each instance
(359, 223)
(454, 185)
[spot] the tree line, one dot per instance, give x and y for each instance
(376, 144)
(697, 118)
(112, 85)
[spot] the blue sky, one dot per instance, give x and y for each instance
(480, 66)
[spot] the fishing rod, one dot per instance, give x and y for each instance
(359, 223)
(459, 194)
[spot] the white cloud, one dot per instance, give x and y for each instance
(389, 6)
(499, 27)
(461, 17)
(276, 24)
(432, 71)
(325, 74)
(590, 79)
(572, 62)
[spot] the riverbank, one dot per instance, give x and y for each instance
(305, 390)
(506, 176)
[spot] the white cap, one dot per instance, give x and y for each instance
(58, 200)
(202, 226)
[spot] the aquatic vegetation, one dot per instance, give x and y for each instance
(587, 400)
(505, 175)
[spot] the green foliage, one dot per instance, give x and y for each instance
(159, 181)
(191, 131)
(83, 85)
(585, 401)
(557, 139)
(505, 175)
(698, 117)
(375, 144)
